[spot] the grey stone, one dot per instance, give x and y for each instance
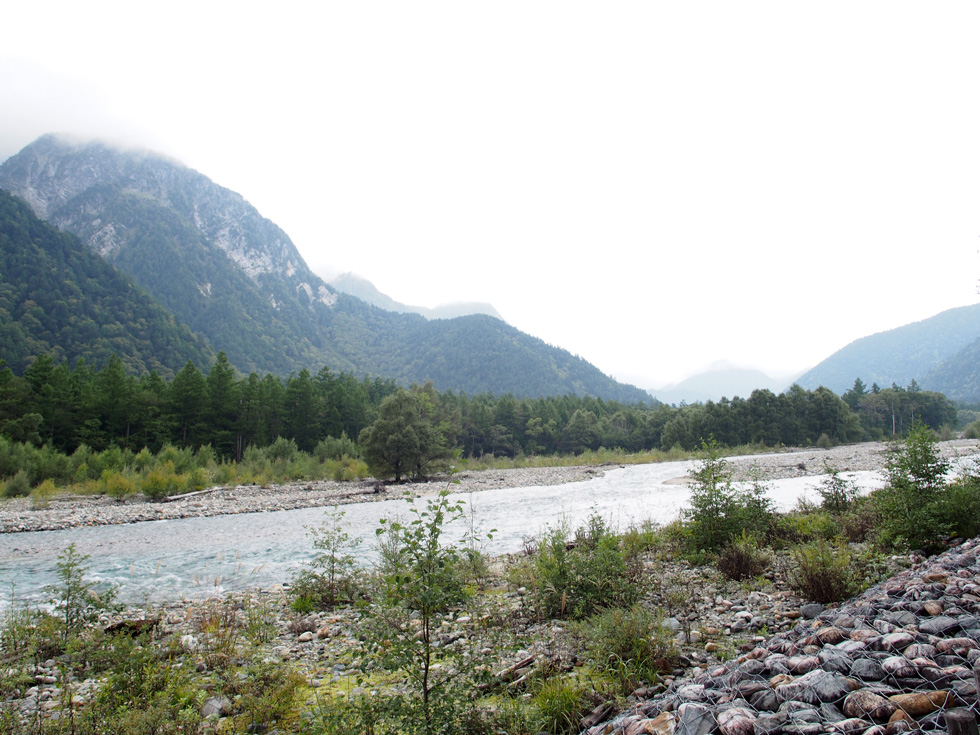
(940, 625)
(811, 610)
(695, 719)
(867, 669)
(216, 707)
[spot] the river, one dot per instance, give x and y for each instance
(163, 560)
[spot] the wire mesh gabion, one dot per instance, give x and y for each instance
(900, 657)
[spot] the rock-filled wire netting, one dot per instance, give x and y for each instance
(904, 656)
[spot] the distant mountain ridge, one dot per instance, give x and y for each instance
(237, 279)
(362, 288)
(721, 381)
(939, 353)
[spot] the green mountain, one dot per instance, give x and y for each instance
(235, 278)
(915, 351)
(58, 298)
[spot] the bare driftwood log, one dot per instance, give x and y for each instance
(184, 496)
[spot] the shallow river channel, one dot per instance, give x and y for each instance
(162, 560)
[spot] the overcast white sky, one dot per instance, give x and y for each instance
(653, 186)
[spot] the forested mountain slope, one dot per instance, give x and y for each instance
(237, 279)
(58, 298)
(900, 355)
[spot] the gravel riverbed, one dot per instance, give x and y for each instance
(68, 511)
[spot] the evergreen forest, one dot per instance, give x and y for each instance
(62, 407)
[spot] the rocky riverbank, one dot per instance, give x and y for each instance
(756, 659)
(68, 511)
(902, 657)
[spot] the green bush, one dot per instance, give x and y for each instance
(117, 485)
(161, 483)
(561, 705)
(42, 494)
(743, 558)
(836, 492)
(332, 577)
(630, 645)
(577, 579)
(963, 506)
(862, 521)
(720, 510)
(346, 469)
(913, 504)
(336, 448)
(823, 572)
(282, 450)
(806, 524)
(18, 486)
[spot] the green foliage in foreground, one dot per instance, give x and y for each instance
(720, 510)
(919, 507)
(413, 681)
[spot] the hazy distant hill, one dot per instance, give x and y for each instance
(722, 381)
(58, 298)
(362, 288)
(237, 279)
(958, 377)
(915, 351)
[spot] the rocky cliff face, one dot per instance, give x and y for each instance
(72, 184)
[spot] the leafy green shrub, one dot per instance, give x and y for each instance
(913, 504)
(638, 539)
(117, 485)
(195, 480)
(862, 521)
(331, 578)
(145, 692)
(161, 483)
(411, 605)
(75, 599)
(743, 558)
(346, 469)
(806, 524)
(282, 450)
(143, 460)
(720, 510)
(336, 448)
(225, 473)
(18, 486)
(179, 460)
(972, 431)
(266, 691)
(963, 506)
(50, 464)
(823, 572)
(630, 645)
(42, 494)
(837, 492)
(576, 579)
